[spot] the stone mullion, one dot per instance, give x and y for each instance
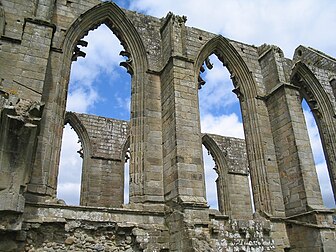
(223, 195)
(55, 113)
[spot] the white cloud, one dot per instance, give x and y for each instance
(225, 125)
(217, 93)
(123, 104)
(285, 23)
(102, 55)
(69, 192)
(102, 58)
(82, 99)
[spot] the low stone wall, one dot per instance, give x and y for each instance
(66, 228)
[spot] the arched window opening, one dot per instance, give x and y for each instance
(219, 107)
(69, 177)
(319, 157)
(211, 179)
(99, 86)
(220, 113)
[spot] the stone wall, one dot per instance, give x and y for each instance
(168, 210)
(104, 146)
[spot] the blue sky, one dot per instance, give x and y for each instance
(99, 86)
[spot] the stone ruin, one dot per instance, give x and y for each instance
(168, 210)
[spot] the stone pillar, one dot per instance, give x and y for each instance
(183, 172)
(182, 144)
(37, 74)
(153, 161)
(300, 188)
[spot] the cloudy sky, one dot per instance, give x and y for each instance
(99, 86)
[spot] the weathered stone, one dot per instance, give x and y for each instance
(168, 210)
(69, 240)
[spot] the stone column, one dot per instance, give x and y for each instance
(153, 164)
(36, 73)
(182, 144)
(300, 188)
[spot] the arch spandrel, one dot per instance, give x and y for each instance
(323, 112)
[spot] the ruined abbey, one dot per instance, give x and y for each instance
(168, 209)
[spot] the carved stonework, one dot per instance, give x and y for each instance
(128, 63)
(19, 120)
(209, 65)
(77, 51)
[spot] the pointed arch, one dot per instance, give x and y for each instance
(83, 136)
(323, 111)
(115, 18)
(222, 171)
(111, 15)
(79, 128)
(245, 87)
(241, 75)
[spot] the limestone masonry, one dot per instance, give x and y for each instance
(168, 210)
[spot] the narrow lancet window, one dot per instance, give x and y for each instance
(319, 157)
